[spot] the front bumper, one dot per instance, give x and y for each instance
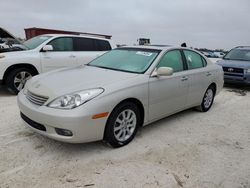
(237, 79)
(79, 121)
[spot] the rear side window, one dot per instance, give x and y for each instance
(172, 59)
(85, 44)
(103, 45)
(194, 60)
(62, 44)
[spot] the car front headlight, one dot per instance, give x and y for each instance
(248, 70)
(76, 99)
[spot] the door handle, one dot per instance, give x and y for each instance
(208, 74)
(72, 56)
(184, 78)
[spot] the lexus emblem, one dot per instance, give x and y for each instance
(230, 69)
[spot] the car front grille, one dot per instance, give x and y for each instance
(36, 99)
(233, 70)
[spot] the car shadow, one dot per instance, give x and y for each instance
(237, 86)
(240, 90)
(4, 92)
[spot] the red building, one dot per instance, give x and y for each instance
(34, 31)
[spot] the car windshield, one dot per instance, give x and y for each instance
(35, 42)
(238, 54)
(133, 60)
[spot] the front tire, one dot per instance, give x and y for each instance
(17, 78)
(122, 124)
(207, 100)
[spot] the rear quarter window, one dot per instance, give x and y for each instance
(103, 45)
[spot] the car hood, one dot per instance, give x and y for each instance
(16, 54)
(65, 81)
(234, 63)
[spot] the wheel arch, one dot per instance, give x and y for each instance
(15, 66)
(214, 86)
(133, 100)
(138, 103)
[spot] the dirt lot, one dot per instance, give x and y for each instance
(190, 149)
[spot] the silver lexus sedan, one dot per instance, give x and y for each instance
(117, 93)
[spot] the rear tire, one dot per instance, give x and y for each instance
(17, 78)
(122, 124)
(207, 100)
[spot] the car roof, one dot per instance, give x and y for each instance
(243, 47)
(157, 47)
(69, 35)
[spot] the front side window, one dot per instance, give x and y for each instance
(172, 59)
(238, 54)
(193, 59)
(126, 59)
(62, 44)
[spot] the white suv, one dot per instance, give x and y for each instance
(48, 52)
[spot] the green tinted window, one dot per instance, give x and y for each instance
(129, 60)
(193, 59)
(172, 59)
(62, 44)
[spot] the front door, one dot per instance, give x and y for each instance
(63, 54)
(168, 94)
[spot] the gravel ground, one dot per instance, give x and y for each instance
(189, 149)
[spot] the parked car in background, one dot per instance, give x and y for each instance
(48, 52)
(9, 42)
(219, 54)
(211, 56)
(236, 65)
(115, 94)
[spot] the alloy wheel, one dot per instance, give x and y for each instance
(125, 125)
(20, 79)
(208, 99)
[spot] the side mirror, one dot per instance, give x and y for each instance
(165, 71)
(47, 48)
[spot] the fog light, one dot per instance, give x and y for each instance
(63, 132)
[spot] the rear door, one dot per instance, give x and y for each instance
(88, 49)
(168, 94)
(63, 54)
(199, 75)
